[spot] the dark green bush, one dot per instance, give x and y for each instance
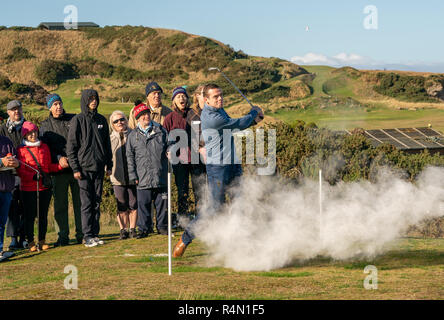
(18, 88)
(111, 33)
(408, 88)
(18, 54)
(131, 96)
(52, 72)
(21, 28)
(302, 151)
(5, 83)
(274, 92)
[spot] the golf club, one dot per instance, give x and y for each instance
(169, 218)
(231, 82)
(234, 86)
(38, 200)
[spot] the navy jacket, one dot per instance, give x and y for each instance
(7, 180)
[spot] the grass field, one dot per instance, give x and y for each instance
(374, 118)
(138, 269)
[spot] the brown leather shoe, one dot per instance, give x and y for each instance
(32, 247)
(43, 246)
(179, 249)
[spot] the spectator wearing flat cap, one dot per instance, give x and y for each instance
(54, 132)
(153, 93)
(7, 181)
(12, 129)
(148, 166)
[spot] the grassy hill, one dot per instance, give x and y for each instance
(119, 61)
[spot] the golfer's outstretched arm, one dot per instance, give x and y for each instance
(223, 121)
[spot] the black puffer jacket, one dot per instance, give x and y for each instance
(89, 146)
(15, 136)
(54, 132)
(146, 155)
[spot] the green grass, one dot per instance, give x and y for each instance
(71, 101)
(372, 118)
(285, 275)
(136, 269)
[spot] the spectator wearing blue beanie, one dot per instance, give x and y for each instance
(54, 132)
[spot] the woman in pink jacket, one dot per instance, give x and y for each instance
(34, 153)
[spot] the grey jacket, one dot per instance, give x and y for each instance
(146, 155)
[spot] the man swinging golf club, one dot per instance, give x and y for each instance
(223, 169)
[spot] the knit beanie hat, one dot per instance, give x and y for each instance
(151, 87)
(140, 110)
(51, 98)
(178, 90)
(27, 127)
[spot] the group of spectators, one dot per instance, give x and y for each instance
(74, 152)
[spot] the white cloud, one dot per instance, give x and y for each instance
(339, 60)
(361, 62)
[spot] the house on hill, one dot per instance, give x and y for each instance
(409, 140)
(61, 25)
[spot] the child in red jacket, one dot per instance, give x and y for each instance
(31, 150)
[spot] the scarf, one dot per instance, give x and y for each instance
(14, 125)
(32, 144)
(147, 130)
(123, 151)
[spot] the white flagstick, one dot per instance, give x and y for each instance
(169, 218)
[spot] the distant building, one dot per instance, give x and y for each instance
(410, 140)
(61, 25)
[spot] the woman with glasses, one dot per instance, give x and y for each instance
(124, 189)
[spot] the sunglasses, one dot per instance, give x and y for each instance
(119, 120)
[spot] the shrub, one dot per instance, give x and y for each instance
(21, 28)
(409, 88)
(274, 92)
(5, 83)
(18, 54)
(126, 74)
(52, 72)
(18, 88)
(110, 33)
(131, 96)
(176, 40)
(302, 151)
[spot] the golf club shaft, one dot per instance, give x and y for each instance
(169, 219)
(38, 200)
(235, 87)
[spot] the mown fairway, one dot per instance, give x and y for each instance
(138, 269)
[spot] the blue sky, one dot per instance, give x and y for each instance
(409, 33)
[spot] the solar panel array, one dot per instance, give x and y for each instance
(406, 138)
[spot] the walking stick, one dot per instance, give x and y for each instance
(169, 218)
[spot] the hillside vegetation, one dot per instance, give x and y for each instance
(119, 61)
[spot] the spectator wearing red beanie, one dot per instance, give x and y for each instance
(34, 153)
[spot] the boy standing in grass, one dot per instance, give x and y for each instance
(89, 152)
